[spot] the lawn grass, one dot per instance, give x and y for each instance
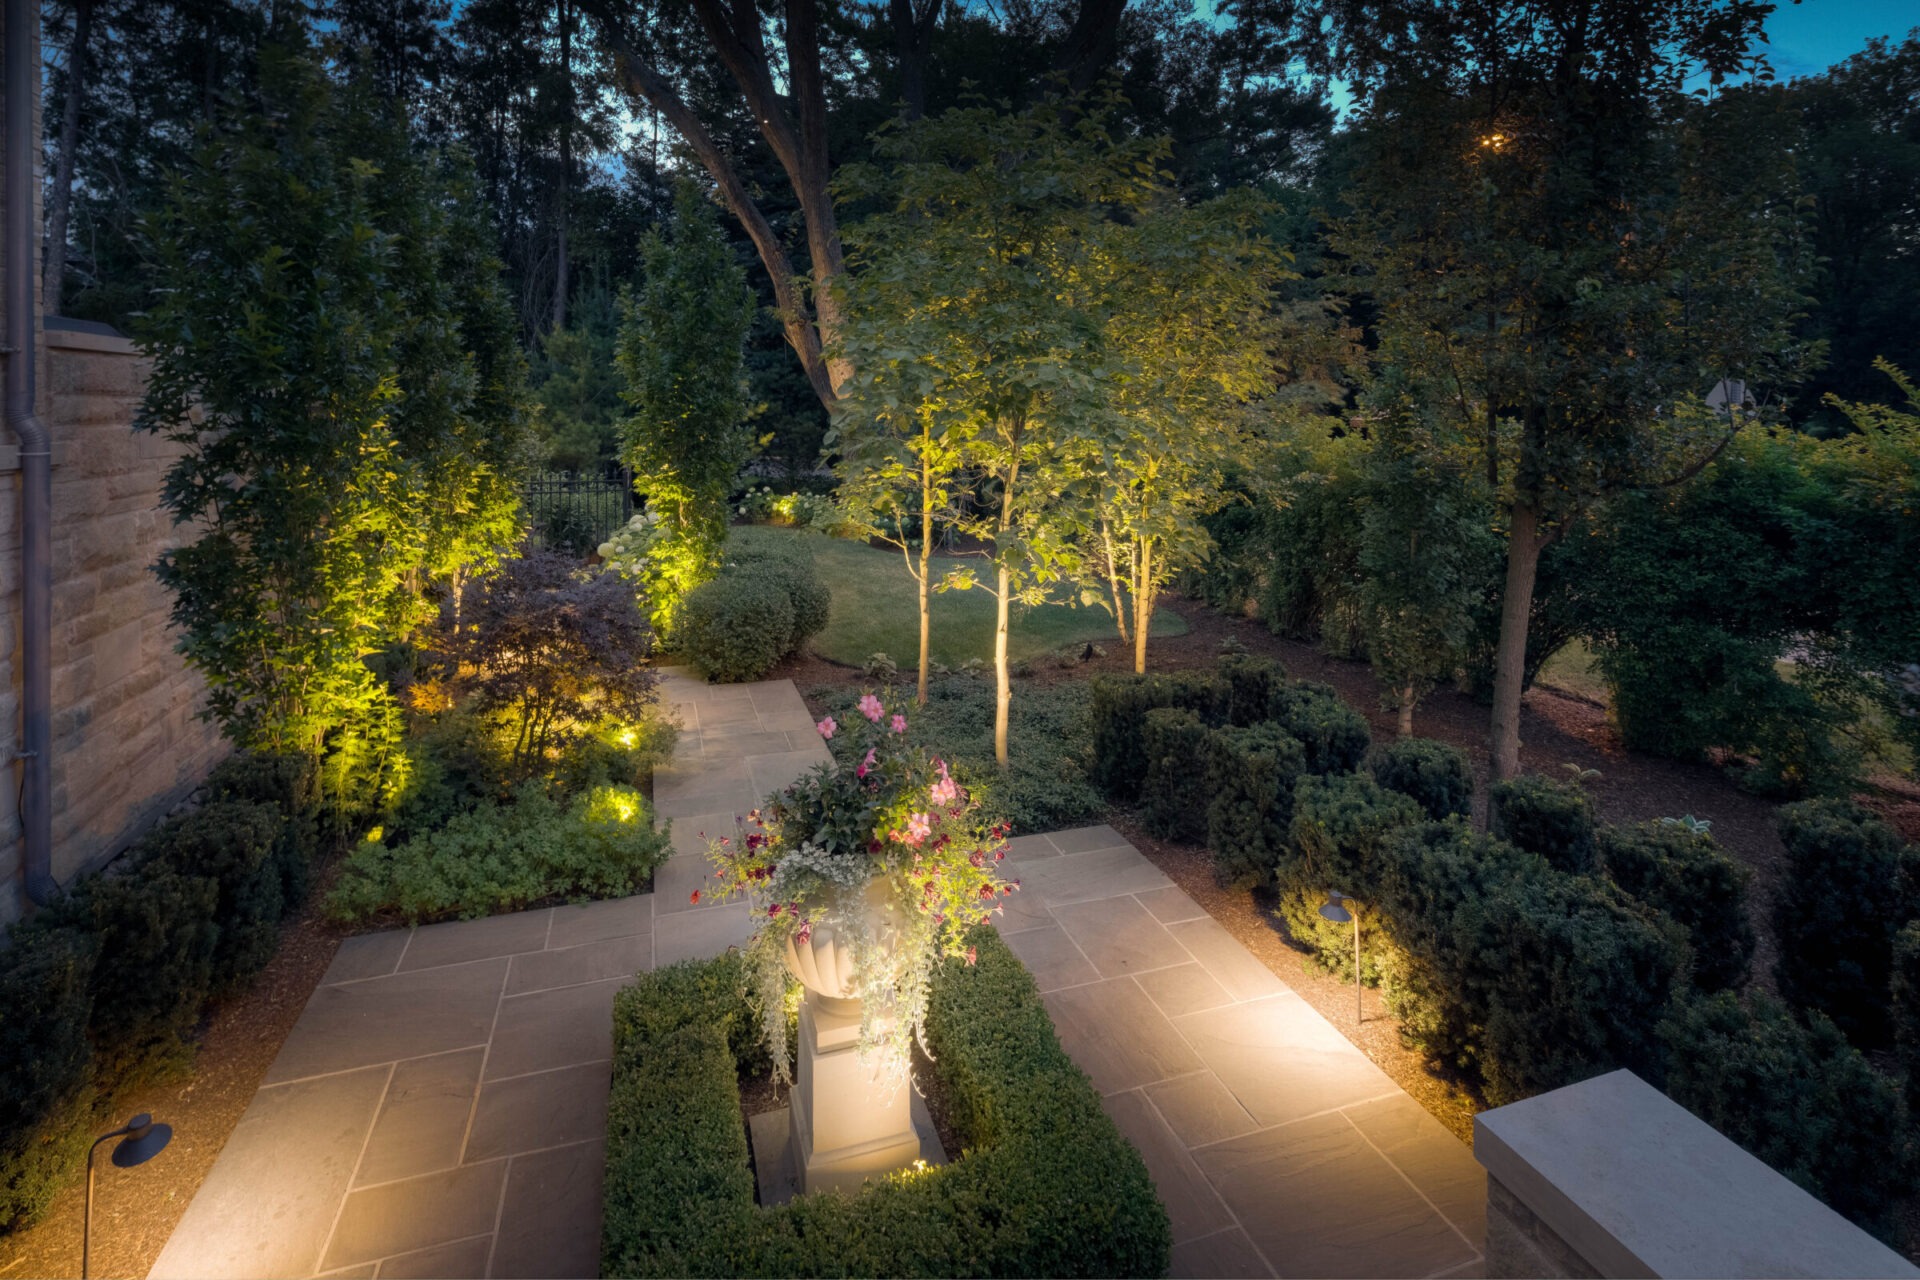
(1573, 669)
(876, 610)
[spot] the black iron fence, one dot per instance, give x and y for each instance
(575, 513)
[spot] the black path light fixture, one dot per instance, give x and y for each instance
(140, 1141)
(1336, 909)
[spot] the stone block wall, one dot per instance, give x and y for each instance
(126, 743)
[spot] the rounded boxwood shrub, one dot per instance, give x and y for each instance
(1796, 1095)
(1843, 897)
(1435, 774)
(1685, 874)
(791, 568)
(235, 844)
(1251, 773)
(1250, 682)
(1338, 826)
(1552, 819)
(1176, 747)
(735, 627)
(1334, 735)
(286, 783)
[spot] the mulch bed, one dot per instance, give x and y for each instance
(136, 1210)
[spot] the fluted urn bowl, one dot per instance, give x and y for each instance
(824, 963)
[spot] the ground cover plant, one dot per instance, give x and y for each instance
(1046, 1184)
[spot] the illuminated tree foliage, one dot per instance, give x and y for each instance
(681, 346)
(332, 351)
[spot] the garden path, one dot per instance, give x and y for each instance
(440, 1107)
(1277, 1147)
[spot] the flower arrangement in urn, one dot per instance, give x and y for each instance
(862, 881)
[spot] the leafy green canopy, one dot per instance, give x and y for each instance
(333, 354)
(680, 351)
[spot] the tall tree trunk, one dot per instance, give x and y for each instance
(1406, 710)
(1113, 584)
(60, 199)
(912, 35)
(1142, 607)
(926, 568)
(1516, 610)
(562, 192)
(1002, 674)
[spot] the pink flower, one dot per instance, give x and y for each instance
(899, 724)
(918, 828)
(973, 955)
(944, 791)
(773, 910)
(870, 708)
(865, 765)
(827, 727)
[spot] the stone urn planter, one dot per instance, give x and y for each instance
(852, 1118)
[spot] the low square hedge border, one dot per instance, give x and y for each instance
(1046, 1186)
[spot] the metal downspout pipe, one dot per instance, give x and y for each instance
(36, 461)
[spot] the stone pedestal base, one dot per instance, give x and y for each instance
(846, 1126)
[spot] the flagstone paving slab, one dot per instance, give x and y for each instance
(448, 1085)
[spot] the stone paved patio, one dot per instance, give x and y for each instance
(439, 1108)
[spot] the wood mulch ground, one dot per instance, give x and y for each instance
(136, 1210)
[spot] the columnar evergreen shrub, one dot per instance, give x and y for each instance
(1796, 1095)
(1531, 978)
(1552, 819)
(1046, 1185)
(1251, 774)
(1843, 897)
(1435, 774)
(1338, 825)
(1684, 874)
(1174, 805)
(1334, 734)
(286, 783)
(1250, 682)
(735, 627)
(1120, 704)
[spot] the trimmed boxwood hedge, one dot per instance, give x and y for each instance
(1552, 819)
(1046, 1187)
(1339, 824)
(1251, 773)
(734, 627)
(1120, 704)
(1433, 773)
(1175, 798)
(1684, 874)
(1334, 734)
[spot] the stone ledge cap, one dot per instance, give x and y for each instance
(1640, 1186)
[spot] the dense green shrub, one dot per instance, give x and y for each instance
(237, 845)
(1905, 992)
(1797, 1096)
(789, 565)
(1433, 773)
(505, 857)
(1119, 707)
(1251, 773)
(287, 783)
(1843, 897)
(1046, 1186)
(1334, 839)
(1531, 978)
(1334, 734)
(1684, 874)
(734, 627)
(45, 1058)
(1250, 683)
(1174, 804)
(1044, 786)
(1552, 819)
